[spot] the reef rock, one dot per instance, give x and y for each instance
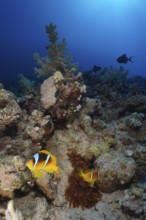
(36, 125)
(13, 176)
(9, 109)
(47, 185)
(135, 120)
(33, 207)
(114, 171)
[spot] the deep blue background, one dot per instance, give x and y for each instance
(97, 32)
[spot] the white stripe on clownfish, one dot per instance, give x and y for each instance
(91, 176)
(48, 157)
(36, 159)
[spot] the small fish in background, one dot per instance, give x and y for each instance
(124, 59)
(89, 176)
(43, 161)
(96, 68)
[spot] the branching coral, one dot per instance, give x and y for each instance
(56, 60)
(79, 193)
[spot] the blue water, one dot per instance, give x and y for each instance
(97, 32)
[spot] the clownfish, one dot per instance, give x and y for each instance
(43, 161)
(89, 176)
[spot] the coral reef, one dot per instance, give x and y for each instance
(91, 122)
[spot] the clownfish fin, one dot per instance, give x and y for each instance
(57, 169)
(81, 173)
(38, 173)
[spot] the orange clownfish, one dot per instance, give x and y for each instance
(89, 176)
(43, 161)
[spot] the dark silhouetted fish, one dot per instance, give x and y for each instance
(124, 59)
(96, 68)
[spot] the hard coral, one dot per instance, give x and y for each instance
(78, 192)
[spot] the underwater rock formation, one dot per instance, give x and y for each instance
(135, 120)
(13, 177)
(114, 171)
(37, 124)
(9, 109)
(33, 206)
(11, 213)
(62, 96)
(133, 201)
(47, 185)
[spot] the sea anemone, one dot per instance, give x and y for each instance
(78, 192)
